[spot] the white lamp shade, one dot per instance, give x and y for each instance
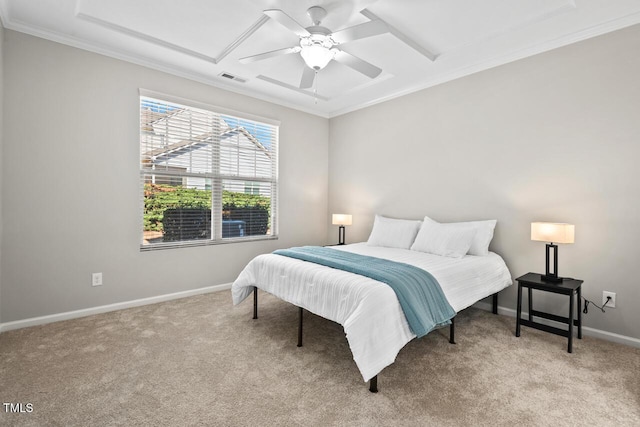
(317, 56)
(553, 232)
(341, 219)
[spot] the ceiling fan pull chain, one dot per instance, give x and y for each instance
(315, 88)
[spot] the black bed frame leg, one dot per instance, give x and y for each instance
(373, 384)
(255, 302)
(452, 331)
(495, 303)
(300, 315)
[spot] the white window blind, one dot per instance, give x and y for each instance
(207, 177)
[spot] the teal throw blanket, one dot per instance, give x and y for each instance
(419, 293)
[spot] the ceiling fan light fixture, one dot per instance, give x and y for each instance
(317, 51)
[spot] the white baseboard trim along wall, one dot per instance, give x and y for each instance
(596, 333)
(18, 324)
(111, 307)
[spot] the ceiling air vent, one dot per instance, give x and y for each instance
(232, 77)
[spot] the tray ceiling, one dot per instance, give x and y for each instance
(429, 41)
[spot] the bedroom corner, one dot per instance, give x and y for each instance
(552, 138)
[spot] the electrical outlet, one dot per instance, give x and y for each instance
(612, 302)
(96, 279)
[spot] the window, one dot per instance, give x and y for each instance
(252, 188)
(207, 177)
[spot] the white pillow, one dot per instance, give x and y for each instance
(483, 237)
(393, 233)
(442, 239)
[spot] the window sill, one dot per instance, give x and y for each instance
(194, 243)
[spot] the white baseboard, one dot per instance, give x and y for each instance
(18, 324)
(592, 332)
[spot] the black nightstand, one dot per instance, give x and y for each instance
(568, 287)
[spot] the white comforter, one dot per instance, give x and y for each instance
(369, 311)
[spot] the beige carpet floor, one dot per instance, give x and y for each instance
(201, 361)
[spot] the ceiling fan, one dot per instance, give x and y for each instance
(318, 45)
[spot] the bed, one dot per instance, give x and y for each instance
(369, 311)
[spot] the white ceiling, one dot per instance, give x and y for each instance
(189, 38)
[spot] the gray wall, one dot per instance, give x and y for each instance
(70, 183)
(1, 147)
(555, 137)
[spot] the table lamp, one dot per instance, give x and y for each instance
(341, 220)
(552, 232)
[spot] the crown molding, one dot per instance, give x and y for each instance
(596, 30)
(154, 65)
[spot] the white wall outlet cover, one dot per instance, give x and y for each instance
(612, 302)
(96, 279)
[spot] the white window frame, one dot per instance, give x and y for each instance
(216, 179)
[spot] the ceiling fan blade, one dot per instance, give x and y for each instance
(287, 21)
(357, 64)
(308, 76)
(271, 54)
(361, 31)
